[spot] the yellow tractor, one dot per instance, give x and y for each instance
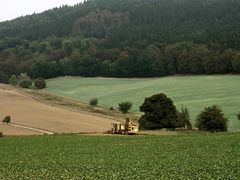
(124, 128)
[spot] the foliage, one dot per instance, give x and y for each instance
(68, 47)
(184, 119)
(23, 76)
(13, 80)
(159, 112)
(124, 107)
(40, 83)
(93, 102)
(212, 119)
(124, 39)
(195, 156)
(24, 80)
(25, 83)
(3, 77)
(7, 119)
(238, 116)
(111, 108)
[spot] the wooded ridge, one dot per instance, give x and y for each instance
(118, 38)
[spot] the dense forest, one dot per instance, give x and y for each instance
(119, 38)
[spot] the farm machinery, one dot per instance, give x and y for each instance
(125, 128)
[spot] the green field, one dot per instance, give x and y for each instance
(194, 92)
(192, 156)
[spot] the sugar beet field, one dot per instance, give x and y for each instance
(192, 156)
(194, 92)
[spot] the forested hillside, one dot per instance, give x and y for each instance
(134, 38)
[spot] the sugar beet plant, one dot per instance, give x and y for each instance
(196, 156)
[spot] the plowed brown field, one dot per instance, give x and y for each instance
(25, 110)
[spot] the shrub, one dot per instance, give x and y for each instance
(25, 83)
(212, 119)
(111, 108)
(13, 80)
(124, 107)
(40, 83)
(24, 80)
(184, 119)
(159, 112)
(238, 116)
(93, 102)
(7, 119)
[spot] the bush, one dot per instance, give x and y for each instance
(238, 116)
(159, 112)
(25, 83)
(212, 119)
(184, 119)
(124, 107)
(13, 80)
(40, 83)
(7, 119)
(111, 108)
(93, 102)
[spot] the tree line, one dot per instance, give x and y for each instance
(88, 57)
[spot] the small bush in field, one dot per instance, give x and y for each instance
(7, 119)
(111, 108)
(93, 102)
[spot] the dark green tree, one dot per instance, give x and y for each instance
(238, 116)
(124, 107)
(212, 119)
(40, 83)
(159, 112)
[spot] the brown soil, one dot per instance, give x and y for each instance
(25, 110)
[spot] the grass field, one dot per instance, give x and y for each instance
(194, 92)
(193, 156)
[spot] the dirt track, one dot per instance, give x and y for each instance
(26, 111)
(16, 131)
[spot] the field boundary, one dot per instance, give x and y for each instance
(29, 128)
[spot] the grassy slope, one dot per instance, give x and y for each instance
(205, 156)
(193, 92)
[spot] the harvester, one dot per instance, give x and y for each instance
(124, 128)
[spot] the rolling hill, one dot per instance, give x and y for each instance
(193, 92)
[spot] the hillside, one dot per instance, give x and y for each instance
(27, 111)
(124, 39)
(193, 92)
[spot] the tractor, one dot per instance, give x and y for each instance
(125, 128)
